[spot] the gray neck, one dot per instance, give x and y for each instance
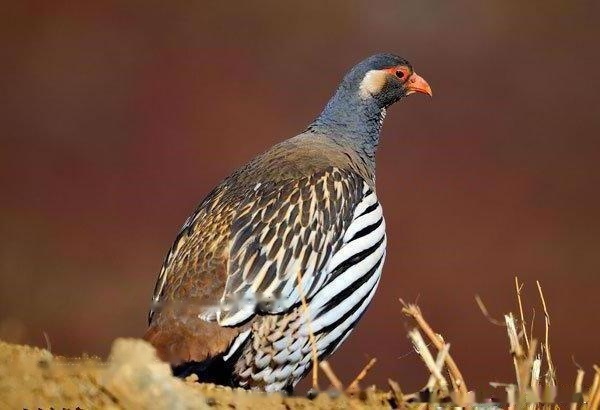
(353, 122)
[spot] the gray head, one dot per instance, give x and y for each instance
(355, 112)
(383, 79)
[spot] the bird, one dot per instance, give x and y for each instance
(279, 262)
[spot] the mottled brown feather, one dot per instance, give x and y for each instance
(295, 177)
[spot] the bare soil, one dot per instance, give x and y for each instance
(133, 378)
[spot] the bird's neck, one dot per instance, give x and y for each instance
(352, 121)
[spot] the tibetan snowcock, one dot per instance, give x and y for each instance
(283, 257)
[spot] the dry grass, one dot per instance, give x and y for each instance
(535, 383)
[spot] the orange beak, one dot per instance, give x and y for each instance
(416, 84)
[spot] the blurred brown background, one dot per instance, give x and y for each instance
(117, 118)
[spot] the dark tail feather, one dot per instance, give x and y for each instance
(213, 370)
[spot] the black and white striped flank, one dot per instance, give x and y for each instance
(348, 282)
(355, 271)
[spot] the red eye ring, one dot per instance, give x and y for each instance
(400, 72)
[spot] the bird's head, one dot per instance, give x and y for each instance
(355, 113)
(386, 78)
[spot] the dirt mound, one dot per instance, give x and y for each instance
(134, 378)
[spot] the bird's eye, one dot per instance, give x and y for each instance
(399, 74)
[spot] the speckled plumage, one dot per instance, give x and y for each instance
(301, 219)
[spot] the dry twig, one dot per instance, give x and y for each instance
(594, 394)
(439, 365)
(48, 344)
(518, 289)
(532, 322)
(516, 350)
(486, 313)
(577, 394)
(536, 369)
(354, 386)
(551, 374)
(432, 365)
(396, 391)
(333, 379)
(458, 382)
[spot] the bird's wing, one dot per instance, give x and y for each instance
(282, 240)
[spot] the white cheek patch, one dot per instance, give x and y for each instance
(372, 83)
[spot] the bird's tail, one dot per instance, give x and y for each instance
(212, 370)
(188, 355)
